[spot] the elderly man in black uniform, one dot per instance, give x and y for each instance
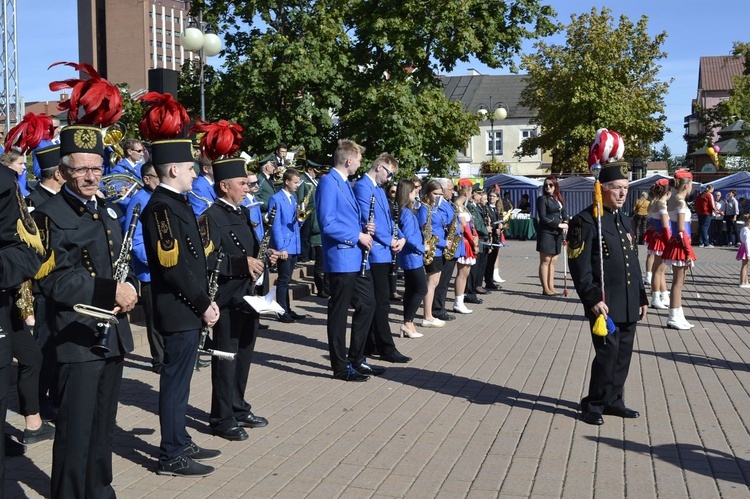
(179, 287)
(82, 237)
(625, 301)
(19, 262)
(226, 225)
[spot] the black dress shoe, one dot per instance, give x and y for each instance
(13, 448)
(323, 294)
(593, 418)
(250, 420)
(184, 466)
(262, 326)
(369, 370)
(235, 433)
(622, 412)
(473, 300)
(446, 317)
(200, 454)
(395, 357)
(492, 287)
(286, 319)
(350, 374)
(156, 368)
(481, 291)
(44, 432)
(297, 317)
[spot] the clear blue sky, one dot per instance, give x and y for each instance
(47, 33)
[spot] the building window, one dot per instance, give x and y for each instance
(495, 142)
(527, 134)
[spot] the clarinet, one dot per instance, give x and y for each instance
(213, 288)
(120, 274)
(395, 236)
(263, 249)
(366, 252)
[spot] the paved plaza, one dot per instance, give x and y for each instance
(487, 408)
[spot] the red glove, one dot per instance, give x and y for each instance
(665, 235)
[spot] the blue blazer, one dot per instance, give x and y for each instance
(36, 168)
(438, 225)
(340, 225)
(202, 190)
(411, 257)
(285, 229)
(138, 253)
(124, 166)
(256, 217)
(364, 189)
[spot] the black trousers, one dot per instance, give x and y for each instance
(305, 246)
(441, 291)
(610, 367)
(48, 371)
(489, 268)
(180, 350)
(321, 284)
(155, 341)
(349, 289)
(29, 356)
(415, 287)
(4, 386)
(380, 337)
(234, 332)
(285, 268)
(82, 452)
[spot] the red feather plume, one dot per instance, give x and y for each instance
(30, 132)
(100, 100)
(164, 119)
(221, 139)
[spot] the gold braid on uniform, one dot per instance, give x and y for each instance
(575, 241)
(49, 264)
(25, 226)
(167, 250)
(205, 231)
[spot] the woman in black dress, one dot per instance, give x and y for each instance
(553, 224)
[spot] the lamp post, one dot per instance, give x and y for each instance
(493, 112)
(202, 38)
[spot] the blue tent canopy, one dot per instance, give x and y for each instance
(578, 193)
(739, 181)
(517, 186)
(636, 187)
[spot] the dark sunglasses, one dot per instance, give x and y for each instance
(253, 184)
(549, 185)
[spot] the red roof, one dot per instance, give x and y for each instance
(716, 72)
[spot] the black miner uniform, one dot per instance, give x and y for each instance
(624, 293)
(82, 246)
(226, 227)
(19, 262)
(179, 287)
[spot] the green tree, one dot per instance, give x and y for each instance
(605, 76)
(312, 72)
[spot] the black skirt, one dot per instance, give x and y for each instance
(549, 242)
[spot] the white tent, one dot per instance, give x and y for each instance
(517, 186)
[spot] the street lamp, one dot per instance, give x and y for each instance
(202, 38)
(493, 112)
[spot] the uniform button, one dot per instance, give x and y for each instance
(93, 274)
(628, 283)
(110, 242)
(96, 217)
(109, 231)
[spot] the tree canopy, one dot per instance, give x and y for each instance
(310, 73)
(604, 76)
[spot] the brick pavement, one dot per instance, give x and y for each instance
(488, 407)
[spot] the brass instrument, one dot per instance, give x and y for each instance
(113, 137)
(25, 301)
(429, 238)
(119, 275)
(264, 304)
(120, 186)
(213, 288)
(366, 252)
(299, 155)
(451, 236)
(303, 209)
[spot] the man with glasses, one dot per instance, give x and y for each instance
(285, 239)
(384, 245)
(82, 237)
(132, 160)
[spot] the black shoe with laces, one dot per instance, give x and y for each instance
(44, 432)
(184, 466)
(200, 454)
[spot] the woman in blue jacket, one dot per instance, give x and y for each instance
(411, 257)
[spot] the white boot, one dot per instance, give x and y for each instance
(682, 316)
(656, 301)
(665, 297)
(647, 281)
(458, 306)
(675, 321)
(496, 277)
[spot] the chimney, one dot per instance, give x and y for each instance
(63, 96)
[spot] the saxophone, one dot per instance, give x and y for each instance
(429, 238)
(452, 237)
(303, 211)
(25, 301)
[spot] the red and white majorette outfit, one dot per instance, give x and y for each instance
(656, 236)
(679, 248)
(469, 257)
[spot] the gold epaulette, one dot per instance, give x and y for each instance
(167, 249)
(25, 226)
(205, 231)
(49, 264)
(575, 238)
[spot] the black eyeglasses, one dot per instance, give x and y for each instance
(83, 170)
(390, 173)
(392, 191)
(137, 150)
(549, 185)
